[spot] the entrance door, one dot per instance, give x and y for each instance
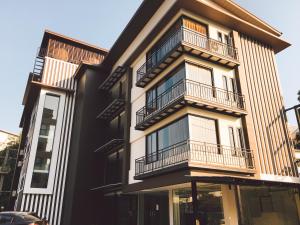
(156, 209)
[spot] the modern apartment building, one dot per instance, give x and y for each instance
(207, 143)
(182, 123)
(47, 122)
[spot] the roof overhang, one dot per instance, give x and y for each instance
(246, 15)
(241, 181)
(226, 13)
(238, 19)
(81, 44)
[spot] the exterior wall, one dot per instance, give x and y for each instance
(49, 204)
(265, 124)
(59, 73)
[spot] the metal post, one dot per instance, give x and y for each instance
(238, 201)
(195, 202)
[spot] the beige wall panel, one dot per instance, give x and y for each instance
(264, 102)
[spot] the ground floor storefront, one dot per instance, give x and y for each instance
(198, 203)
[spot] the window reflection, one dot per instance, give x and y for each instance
(269, 205)
(170, 135)
(209, 204)
(45, 142)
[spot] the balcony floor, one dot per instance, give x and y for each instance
(185, 48)
(196, 156)
(183, 101)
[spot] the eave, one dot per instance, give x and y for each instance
(235, 22)
(242, 21)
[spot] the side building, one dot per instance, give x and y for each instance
(9, 169)
(47, 121)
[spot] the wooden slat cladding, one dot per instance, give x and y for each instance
(265, 104)
(68, 53)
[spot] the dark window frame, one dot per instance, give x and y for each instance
(156, 132)
(170, 31)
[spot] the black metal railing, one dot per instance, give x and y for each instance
(190, 37)
(206, 154)
(192, 89)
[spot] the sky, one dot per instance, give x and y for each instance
(100, 22)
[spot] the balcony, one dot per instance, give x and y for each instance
(114, 140)
(195, 154)
(112, 78)
(112, 110)
(187, 92)
(185, 41)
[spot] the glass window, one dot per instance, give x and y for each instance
(269, 205)
(166, 91)
(178, 75)
(45, 142)
(209, 204)
(151, 101)
(199, 74)
(173, 134)
(195, 26)
(151, 147)
(170, 135)
(240, 138)
(203, 130)
(220, 37)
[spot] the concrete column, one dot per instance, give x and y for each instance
(229, 205)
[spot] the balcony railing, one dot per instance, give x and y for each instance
(201, 154)
(184, 36)
(194, 91)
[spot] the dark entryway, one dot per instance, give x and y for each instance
(119, 210)
(156, 208)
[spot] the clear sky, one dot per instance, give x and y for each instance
(100, 22)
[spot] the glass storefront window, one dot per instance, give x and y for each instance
(269, 205)
(183, 207)
(45, 142)
(209, 204)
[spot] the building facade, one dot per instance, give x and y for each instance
(208, 142)
(181, 123)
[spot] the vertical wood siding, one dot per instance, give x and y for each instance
(266, 103)
(56, 73)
